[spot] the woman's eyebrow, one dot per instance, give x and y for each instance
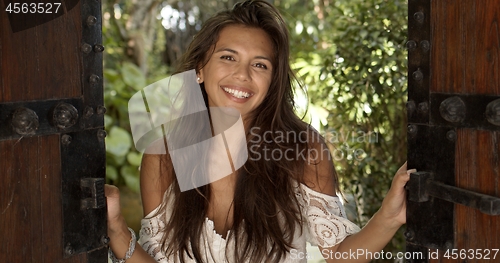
(236, 53)
(226, 49)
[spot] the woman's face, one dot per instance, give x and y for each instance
(238, 72)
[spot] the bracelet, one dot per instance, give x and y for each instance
(130, 250)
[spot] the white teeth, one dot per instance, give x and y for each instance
(237, 93)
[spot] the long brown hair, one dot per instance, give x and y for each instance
(266, 209)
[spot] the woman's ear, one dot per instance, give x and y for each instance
(199, 76)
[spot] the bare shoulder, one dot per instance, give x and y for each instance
(319, 172)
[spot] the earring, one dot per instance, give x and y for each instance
(198, 79)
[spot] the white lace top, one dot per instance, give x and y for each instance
(327, 226)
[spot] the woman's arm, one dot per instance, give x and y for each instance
(319, 175)
(153, 186)
(379, 230)
(118, 232)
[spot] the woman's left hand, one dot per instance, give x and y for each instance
(394, 204)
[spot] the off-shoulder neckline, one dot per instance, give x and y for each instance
(306, 188)
(311, 191)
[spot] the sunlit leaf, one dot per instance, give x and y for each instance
(133, 76)
(134, 158)
(111, 173)
(118, 141)
(131, 176)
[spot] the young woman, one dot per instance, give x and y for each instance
(266, 210)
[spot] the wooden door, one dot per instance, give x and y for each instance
(52, 155)
(454, 131)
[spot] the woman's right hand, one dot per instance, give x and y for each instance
(113, 201)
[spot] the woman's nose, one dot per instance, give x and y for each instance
(242, 73)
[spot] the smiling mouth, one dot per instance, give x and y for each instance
(237, 93)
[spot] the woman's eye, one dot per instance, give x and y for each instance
(260, 65)
(227, 57)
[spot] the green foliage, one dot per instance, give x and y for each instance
(123, 77)
(123, 160)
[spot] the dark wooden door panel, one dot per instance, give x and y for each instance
(454, 100)
(465, 46)
(48, 72)
(30, 201)
(41, 62)
(477, 169)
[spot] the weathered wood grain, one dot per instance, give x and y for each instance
(43, 62)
